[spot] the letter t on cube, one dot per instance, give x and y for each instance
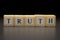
(8, 20)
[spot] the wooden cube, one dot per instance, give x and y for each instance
(40, 20)
(8, 20)
(19, 20)
(50, 20)
(29, 20)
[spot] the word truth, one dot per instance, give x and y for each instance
(30, 20)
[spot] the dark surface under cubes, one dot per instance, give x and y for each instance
(29, 33)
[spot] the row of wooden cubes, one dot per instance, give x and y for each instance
(29, 20)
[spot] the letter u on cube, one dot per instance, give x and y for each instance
(30, 20)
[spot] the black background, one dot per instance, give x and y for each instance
(30, 7)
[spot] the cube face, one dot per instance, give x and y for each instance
(8, 20)
(19, 20)
(50, 20)
(40, 20)
(29, 20)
